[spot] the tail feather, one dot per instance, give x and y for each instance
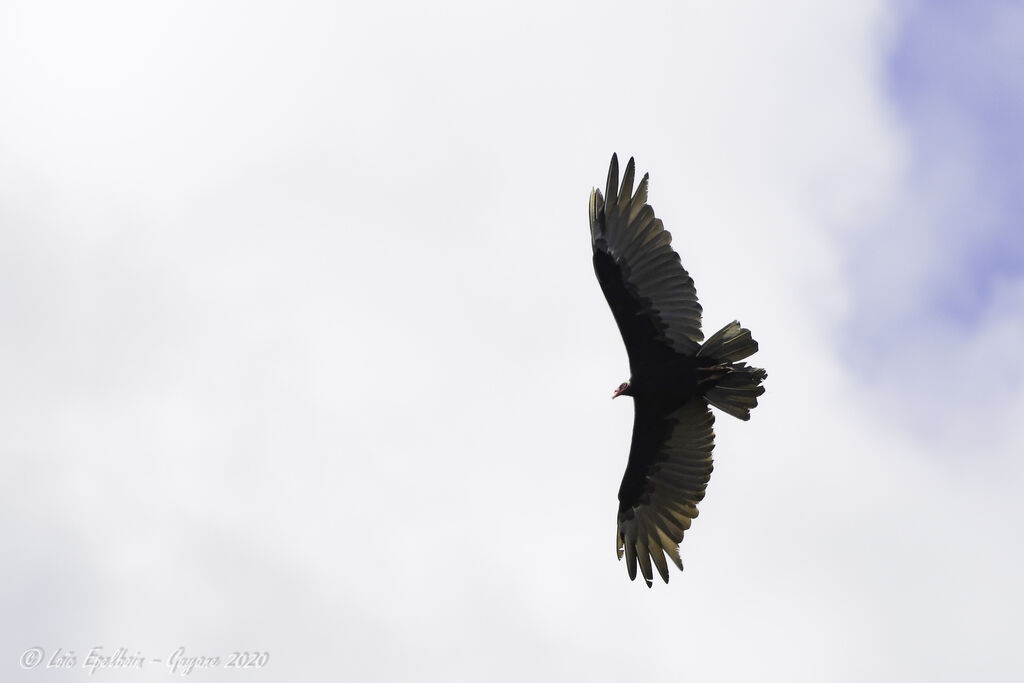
(736, 392)
(731, 343)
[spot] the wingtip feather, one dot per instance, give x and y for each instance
(612, 186)
(626, 188)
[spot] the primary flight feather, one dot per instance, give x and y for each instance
(673, 376)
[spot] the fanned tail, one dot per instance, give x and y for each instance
(736, 385)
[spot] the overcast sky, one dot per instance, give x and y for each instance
(301, 349)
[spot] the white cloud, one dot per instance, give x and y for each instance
(307, 353)
(933, 254)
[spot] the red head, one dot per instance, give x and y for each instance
(623, 390)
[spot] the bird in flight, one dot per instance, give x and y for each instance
(673, 376)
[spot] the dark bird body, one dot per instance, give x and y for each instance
(673, 375)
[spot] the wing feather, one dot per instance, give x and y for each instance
(650, 293)
(669, 468)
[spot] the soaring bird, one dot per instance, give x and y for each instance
(673, 376)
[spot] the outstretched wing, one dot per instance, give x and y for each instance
(669, 469)
(651, 296)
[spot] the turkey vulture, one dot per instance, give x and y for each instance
(673, 375)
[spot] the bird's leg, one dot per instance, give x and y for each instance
(713, 373)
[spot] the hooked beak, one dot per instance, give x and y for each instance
(618, 392)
